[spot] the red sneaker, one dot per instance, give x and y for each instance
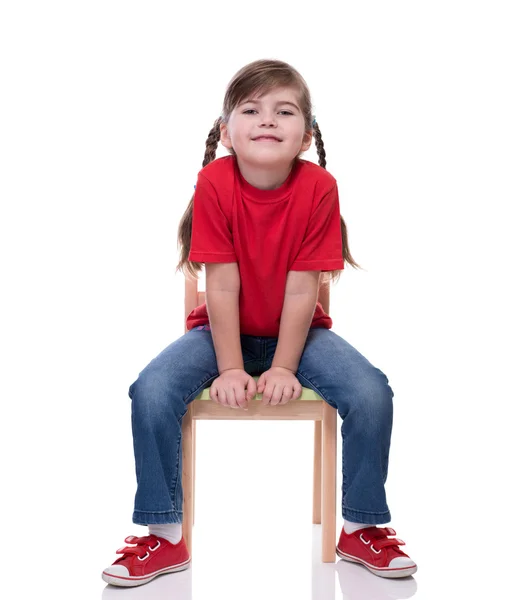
(371, 547)
(150, 556)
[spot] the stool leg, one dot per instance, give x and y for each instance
(316, 484)
(187, 477)
(328, 485)
(193, 468)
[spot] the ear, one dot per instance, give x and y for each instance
(307, 140)
(224, 136)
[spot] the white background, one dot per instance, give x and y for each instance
(105, 109)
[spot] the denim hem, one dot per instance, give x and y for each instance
(370, 518)
(141, 517)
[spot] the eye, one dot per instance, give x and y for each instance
(251, 109)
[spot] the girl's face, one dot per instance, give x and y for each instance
(275, 114)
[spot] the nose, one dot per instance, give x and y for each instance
(267, 119)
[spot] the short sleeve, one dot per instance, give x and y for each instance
(211, 234)
(321, 249)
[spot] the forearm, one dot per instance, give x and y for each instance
(224, 319)
(295, 322)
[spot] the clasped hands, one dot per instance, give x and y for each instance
(278, 386)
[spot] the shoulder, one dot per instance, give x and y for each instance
(218, 168)
(217, 178)
(312, 173)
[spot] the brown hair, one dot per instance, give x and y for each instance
(259, 76)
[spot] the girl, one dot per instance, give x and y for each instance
(267, 225)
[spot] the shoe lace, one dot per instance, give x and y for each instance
(379, 537)
(143, 545)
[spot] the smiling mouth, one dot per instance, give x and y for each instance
(266, 139)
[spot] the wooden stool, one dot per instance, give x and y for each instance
(310, 406)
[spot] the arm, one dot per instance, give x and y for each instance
(301, 295)
(222, 291)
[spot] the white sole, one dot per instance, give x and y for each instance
(134, 581)
(392, 573)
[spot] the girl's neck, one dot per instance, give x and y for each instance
(264, 178)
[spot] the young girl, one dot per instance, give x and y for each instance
(267, 225)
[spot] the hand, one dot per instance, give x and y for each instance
(279, 386)
(229, 389)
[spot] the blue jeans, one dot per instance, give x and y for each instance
(329, 365)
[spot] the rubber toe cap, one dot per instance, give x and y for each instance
(118, 570)
(401, 561)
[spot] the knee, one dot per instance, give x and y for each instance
(373, 397)
(153, 397)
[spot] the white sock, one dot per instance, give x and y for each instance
(172, 532)
(350, 527)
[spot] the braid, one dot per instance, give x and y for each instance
(347, 257)
(185, 227)
(212, 143)
(320, 147)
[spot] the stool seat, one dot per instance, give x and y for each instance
(306, 393)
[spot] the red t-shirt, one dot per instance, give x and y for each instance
(295, 227)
